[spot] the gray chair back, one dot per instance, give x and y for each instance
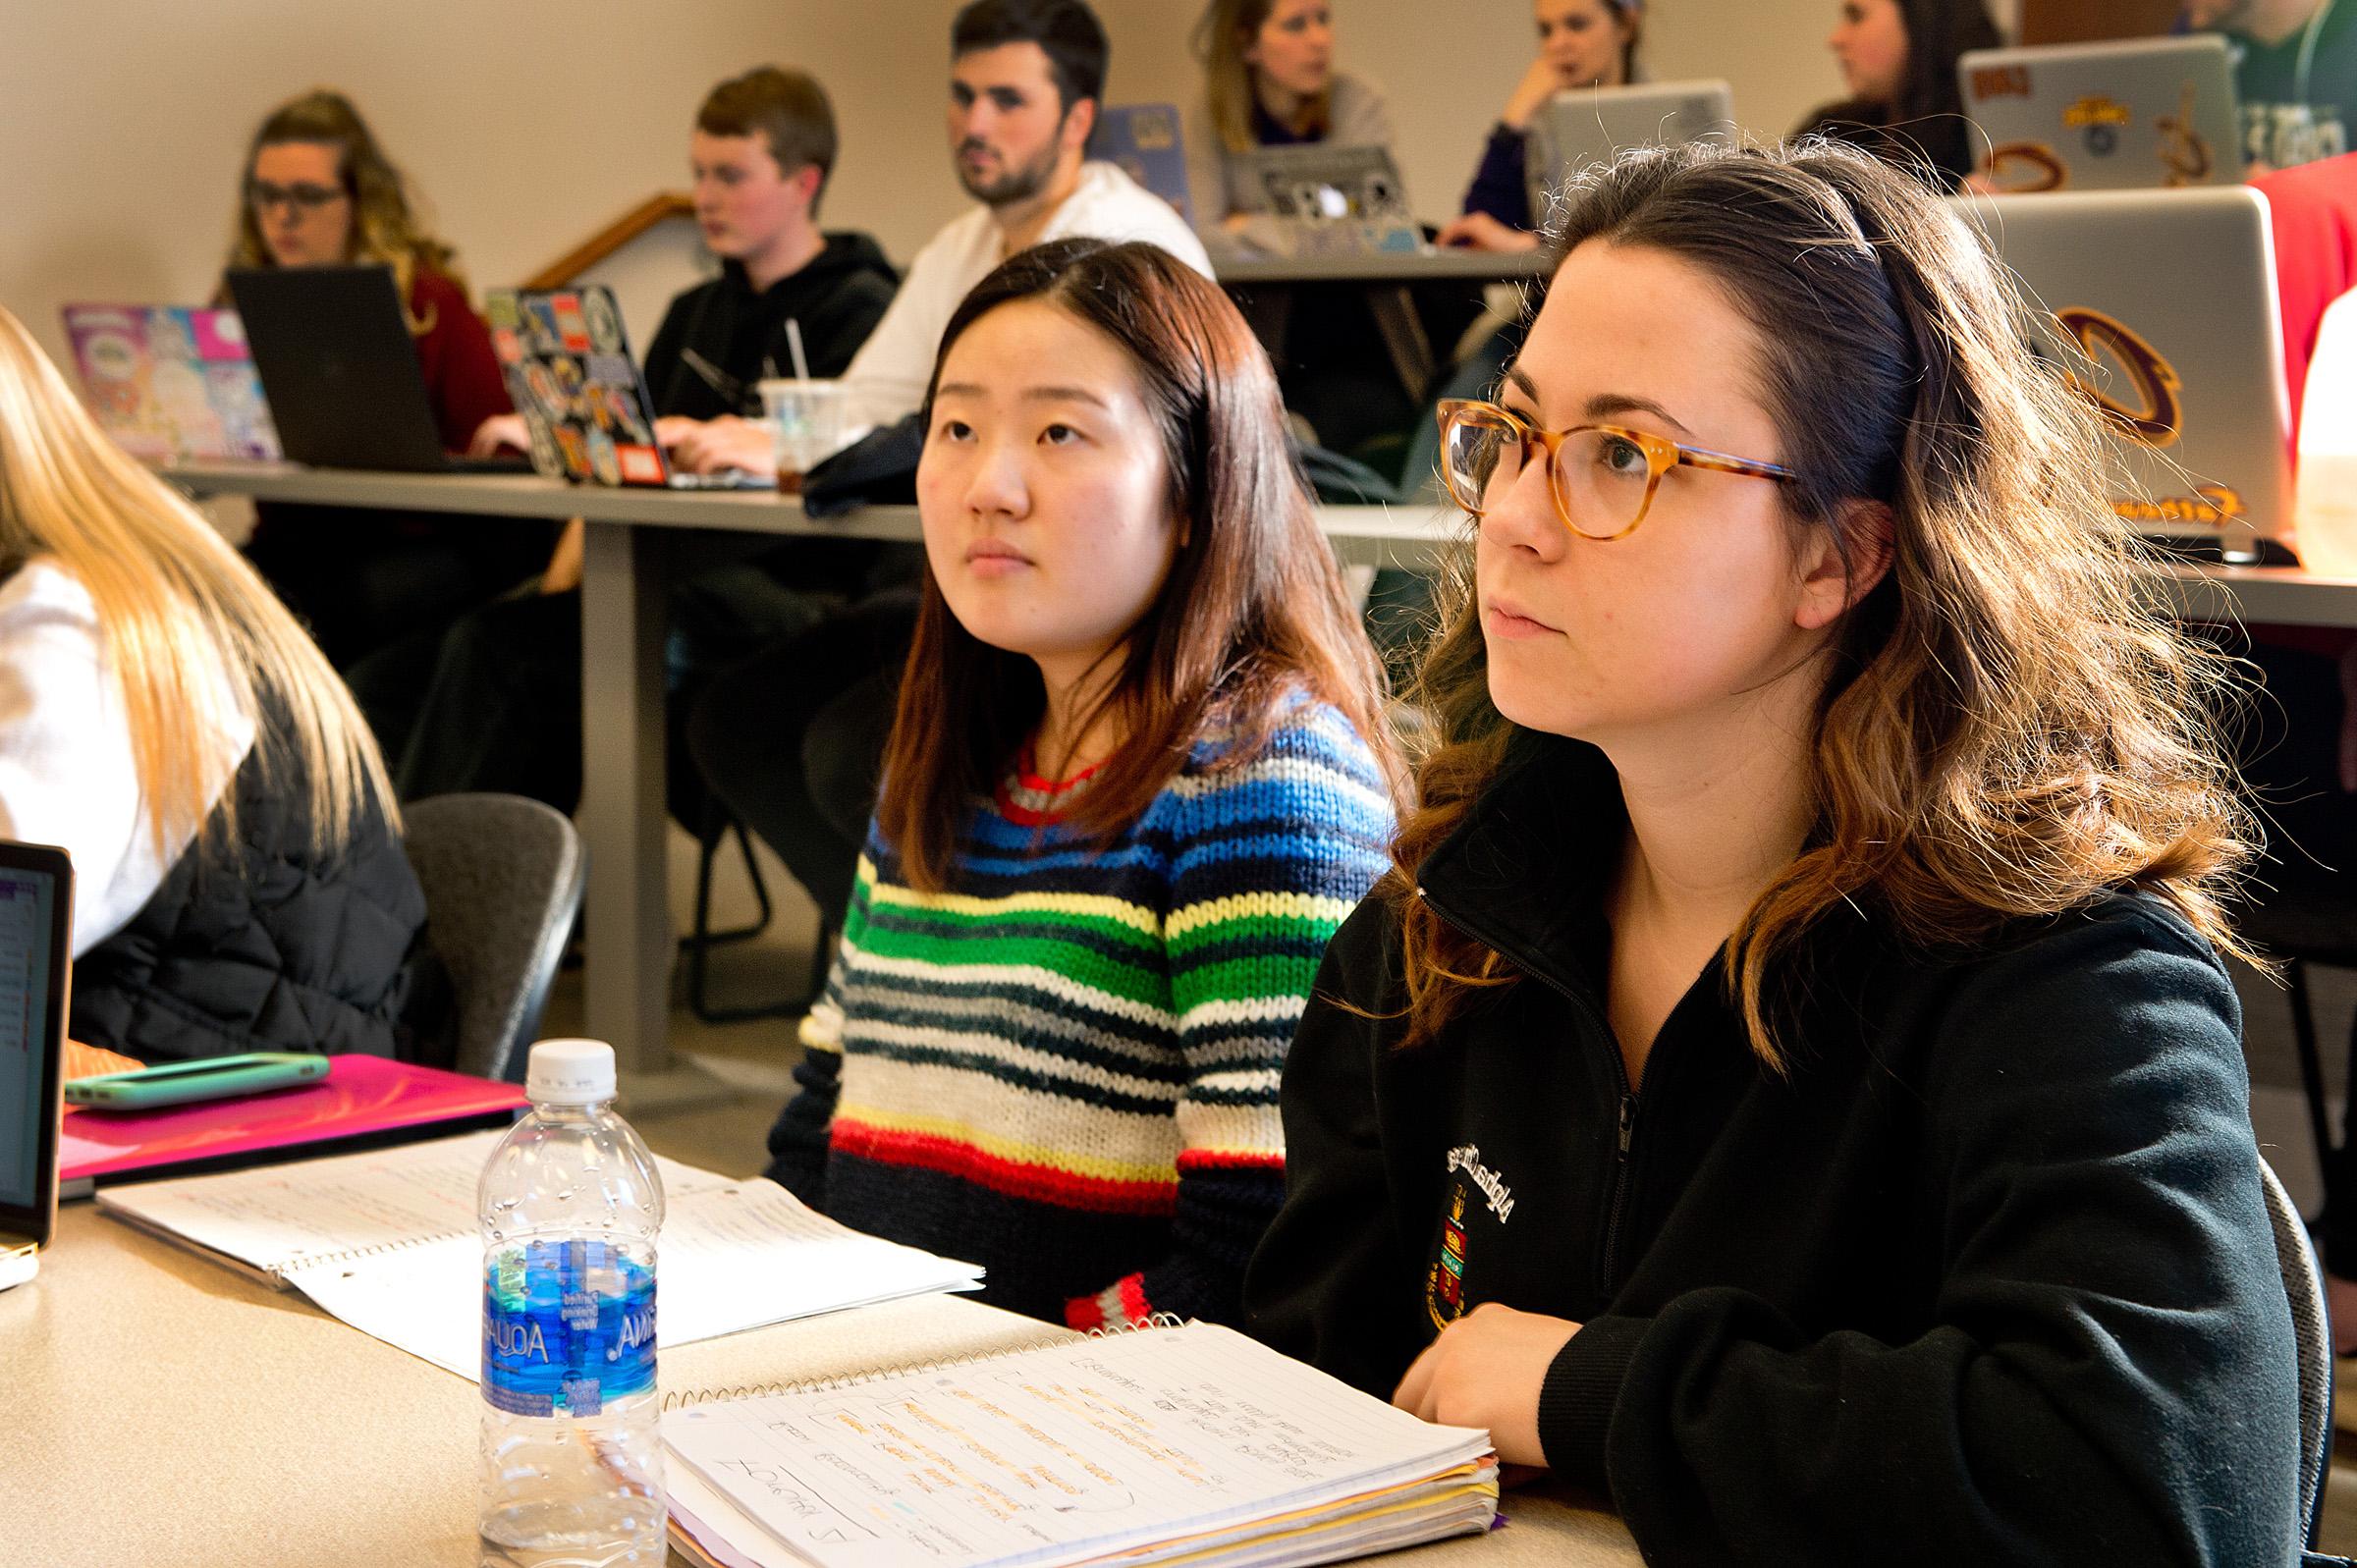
(2304, 1287)
(502, 876)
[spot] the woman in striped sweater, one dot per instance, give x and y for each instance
(1137, 775)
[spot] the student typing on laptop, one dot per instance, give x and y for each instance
(760, 154)
(1269, 81)
(494, 703)
(318, 191)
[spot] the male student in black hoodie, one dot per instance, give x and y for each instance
(494, 703)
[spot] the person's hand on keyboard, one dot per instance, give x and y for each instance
(708, 446)
(501, 432)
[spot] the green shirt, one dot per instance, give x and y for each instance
(2290, 116)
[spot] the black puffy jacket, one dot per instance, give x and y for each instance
(261, 944)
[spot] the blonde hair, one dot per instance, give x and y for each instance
(385, 224)
(2009, 729)
(1225, 31)
(193, 640)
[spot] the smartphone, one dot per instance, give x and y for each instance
(181, 1083)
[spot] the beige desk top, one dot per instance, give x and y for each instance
(158, 1409)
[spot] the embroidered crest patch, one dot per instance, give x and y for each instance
(1445, 1289)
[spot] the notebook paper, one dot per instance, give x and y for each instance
(387, 1241)
(1132, 1443)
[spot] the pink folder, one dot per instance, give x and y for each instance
(362, 1101)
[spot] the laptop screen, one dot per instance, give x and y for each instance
(35, 950)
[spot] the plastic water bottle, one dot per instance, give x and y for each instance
(570, 1204)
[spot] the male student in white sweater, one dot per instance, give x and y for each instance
(1026, 80)
(789, 741)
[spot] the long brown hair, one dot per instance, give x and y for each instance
(194, 640)
(385, 225)
(1924, 122)
(1253, 609)
(1225, 31)
(2007, 728)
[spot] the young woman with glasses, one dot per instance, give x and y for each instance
(1787, 1082)
(318, 191)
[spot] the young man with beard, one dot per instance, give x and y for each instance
(1027, 77)
(791, 739)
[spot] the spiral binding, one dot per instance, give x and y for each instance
(853, 1379)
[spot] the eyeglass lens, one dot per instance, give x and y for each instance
(1600, 478)
(303, 197)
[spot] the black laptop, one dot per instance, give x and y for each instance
(341, 372)
(36, 946)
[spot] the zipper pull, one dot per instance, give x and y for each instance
(1629, 1122)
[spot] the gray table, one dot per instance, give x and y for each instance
(628, 980)
(157, 1408)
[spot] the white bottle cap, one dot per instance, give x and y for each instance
(569, 1072)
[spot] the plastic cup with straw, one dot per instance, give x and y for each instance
(804, 413)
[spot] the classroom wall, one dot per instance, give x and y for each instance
(123, 122)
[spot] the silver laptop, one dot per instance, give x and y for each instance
(1321, 181)
(1588, 126)
(2164, 309)
(2138, 114)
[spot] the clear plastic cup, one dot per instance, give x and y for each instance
(806, 420)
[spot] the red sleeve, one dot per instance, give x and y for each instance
(462, 374)
(2312, 210)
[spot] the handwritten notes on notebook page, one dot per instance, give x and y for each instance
(1194, 1443)
(387, 1242)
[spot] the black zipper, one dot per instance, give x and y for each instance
(1607, 1262)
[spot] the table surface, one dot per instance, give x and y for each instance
(159, 1408)
(1397, 535)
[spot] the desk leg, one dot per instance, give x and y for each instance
(1395, 310)
(622, 812)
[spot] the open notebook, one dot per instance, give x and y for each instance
(1169, 1444)
(388, 1242)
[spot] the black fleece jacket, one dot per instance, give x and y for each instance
(1987, 1280)
(837, 297)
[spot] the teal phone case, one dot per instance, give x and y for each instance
(182, 1083)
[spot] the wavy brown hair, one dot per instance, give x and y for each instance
(385, 225)
(2007, 727)
(1253, 609)
(1221, 34)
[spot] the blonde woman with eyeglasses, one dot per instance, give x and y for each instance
(318, 189)
(239, 884)
(1787, 1083)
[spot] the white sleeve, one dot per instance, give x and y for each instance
(887, 376)
(66, 771)
(67, 774)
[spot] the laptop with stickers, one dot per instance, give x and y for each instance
(2161, 305)
(2137, 114)
(591, 419)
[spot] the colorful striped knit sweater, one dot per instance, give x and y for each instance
(1063, 1067)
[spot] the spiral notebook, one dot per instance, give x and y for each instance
(387, 1241)
(1174, 1443)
